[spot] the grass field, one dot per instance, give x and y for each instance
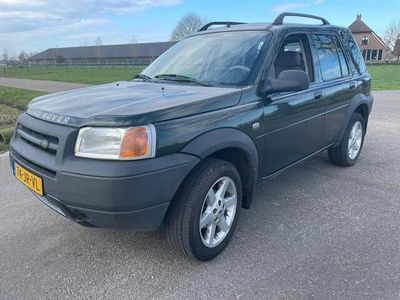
(87, 75)
(17, 98)
(385, 77)
(12, 103)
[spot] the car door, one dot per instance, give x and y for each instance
(293, 121)
(336, 80)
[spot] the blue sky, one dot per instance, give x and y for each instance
(35, 25)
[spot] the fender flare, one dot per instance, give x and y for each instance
(228, 138)
(357, 100)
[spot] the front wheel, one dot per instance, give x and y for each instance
(202, 219)
(349, 149)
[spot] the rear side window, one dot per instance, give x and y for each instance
(342, 59)
(356, 57)
(331, 58)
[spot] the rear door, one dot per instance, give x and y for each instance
(336, 83)
(293, 121)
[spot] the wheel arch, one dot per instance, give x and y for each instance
(234, 146)
(361, 104)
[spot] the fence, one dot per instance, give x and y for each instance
(6, 71)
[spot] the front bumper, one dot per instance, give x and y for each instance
(110, 194)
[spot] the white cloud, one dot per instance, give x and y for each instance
(295, 5)
(37, 24)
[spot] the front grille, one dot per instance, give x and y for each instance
(39, 140)
(33, 166)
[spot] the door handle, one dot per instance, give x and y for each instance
(318, 95)
(352, 85)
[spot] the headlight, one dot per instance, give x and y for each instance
(116, 143)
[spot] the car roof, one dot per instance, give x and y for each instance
(276, 25)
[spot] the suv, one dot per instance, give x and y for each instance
(185, 143)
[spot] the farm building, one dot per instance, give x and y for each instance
(374, 49)
(127, 54)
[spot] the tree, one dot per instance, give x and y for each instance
(188, 24)
(396, 50)
(23, 57)
(391, 34)
(60, 59)
(133, 40)
(4, 56)
(98, 42)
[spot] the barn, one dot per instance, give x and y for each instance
(126, 54)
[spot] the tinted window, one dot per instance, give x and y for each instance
(355, 53)
(342, 59)
(328, 57)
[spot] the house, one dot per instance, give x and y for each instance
(374, 49)
(126, 54)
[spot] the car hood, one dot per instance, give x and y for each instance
(130, 103)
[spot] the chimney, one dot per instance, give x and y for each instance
(359, 17)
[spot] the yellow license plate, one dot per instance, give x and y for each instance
(35, 183)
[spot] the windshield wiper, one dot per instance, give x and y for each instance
(182, 78)
(142, 76)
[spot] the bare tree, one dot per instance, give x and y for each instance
(60, 59)
(396, 50)
(188, 24)
(4, 56)
(133, 39)
(391, 34)
(98, 42)
(23, 57)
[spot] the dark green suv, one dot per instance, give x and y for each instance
(183, 146)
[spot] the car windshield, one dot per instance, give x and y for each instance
(224, 58)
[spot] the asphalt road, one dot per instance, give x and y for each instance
(317, 231)
(40, 85)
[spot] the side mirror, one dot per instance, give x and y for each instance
(288, 81)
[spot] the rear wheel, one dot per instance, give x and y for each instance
(349, 149)
(201, 221)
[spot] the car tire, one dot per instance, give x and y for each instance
(349, 149)
(202, 219)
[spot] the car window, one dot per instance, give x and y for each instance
(356, 57)
(294, 55)
(225, 58)
(328, 55)
(343, 63)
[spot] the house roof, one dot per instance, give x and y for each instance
(108, 51)
(359, 26)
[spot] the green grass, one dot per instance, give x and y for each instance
(3, 148)
(17, 98)
(385, 77)
(87, 75)
(12, 103)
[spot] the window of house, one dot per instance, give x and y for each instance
(364, 40)
(374, 54)
(368, 54)
(330, 57)
(364, 54)
(380, 53)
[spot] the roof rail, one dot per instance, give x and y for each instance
(279, 19)
(227, 24)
